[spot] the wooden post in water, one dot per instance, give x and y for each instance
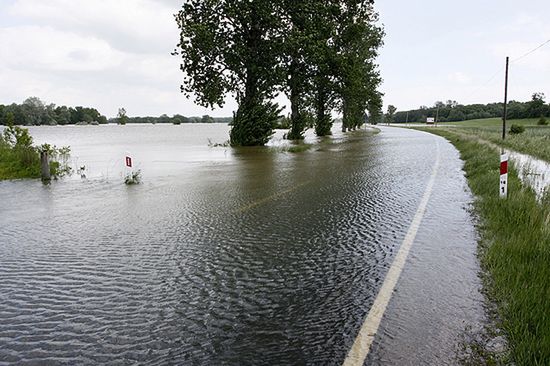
(45, 166)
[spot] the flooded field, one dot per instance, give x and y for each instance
(234, 256)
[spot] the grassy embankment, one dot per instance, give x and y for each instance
(514, 249)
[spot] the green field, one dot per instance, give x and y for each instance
(492, 122)
(535, 141)
(514, 250)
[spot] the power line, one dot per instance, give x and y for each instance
(532, 51)
(500, 70)
(478, 89)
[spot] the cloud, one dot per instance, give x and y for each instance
(113, 53)
(141, 26)
(460, 78)
(47, 49)
(98, 53)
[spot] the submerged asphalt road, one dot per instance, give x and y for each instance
(260, 258)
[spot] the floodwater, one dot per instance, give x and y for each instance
(249, 256)
(532, 171)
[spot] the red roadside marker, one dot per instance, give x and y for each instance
(128, 162)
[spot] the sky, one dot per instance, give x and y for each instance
(110, 54)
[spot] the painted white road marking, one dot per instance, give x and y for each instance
(361, 347)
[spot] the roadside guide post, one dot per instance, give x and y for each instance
(503, 175)
(128, 162)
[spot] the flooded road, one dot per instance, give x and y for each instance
(235, 257)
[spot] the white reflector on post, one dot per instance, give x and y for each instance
(504, 175)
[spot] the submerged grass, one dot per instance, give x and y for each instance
(514, 251)
(298, 148)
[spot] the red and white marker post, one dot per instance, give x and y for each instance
(128, 164)
(504, 175)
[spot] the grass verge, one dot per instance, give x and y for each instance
(514, 251)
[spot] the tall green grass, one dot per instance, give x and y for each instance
(534, 141)
(514, 251)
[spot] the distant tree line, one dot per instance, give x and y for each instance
(319, 53)
(451, 111)
(175, 119)
(34, 112)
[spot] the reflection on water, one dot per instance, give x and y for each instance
(222, 256)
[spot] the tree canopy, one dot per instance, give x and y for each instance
(320, 53)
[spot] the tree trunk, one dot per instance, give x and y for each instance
(323, 121)
(252, 121)
(296, 113)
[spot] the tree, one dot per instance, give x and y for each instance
(34, 111)
(10, 119)
(122, 117)
(50, 116)
(2, 114)
(295, 20)
(374, 107)
(309, 63)
(390, 114)
(181, 119)
(358, 41)
(207, 119)
(536, 107)
(164, 118)
(231, 47)
(324, 59)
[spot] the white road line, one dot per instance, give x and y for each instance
(361, 347)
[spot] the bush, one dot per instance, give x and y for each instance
(133, 178)
(517, 129)
(20, 159)
(323, 126)
(542, 122)
(59, 159)
(253, 123)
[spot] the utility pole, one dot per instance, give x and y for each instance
(505, 100)
(437, 116)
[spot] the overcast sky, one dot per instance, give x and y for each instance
(116, 53)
